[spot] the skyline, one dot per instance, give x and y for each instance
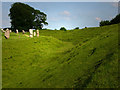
(68, 14)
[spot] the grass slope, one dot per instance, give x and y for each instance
(62, 59)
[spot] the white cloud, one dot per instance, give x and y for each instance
(98, 18)
(65, 13)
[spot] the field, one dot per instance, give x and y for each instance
(62, 59)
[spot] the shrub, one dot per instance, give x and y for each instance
(103, 23)
(77, 28)
(63, 28)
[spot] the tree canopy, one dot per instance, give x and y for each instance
(63, 28)
(77, 28)
(115, 20)
(25, 17)
(103, 23)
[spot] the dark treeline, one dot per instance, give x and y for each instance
(115, 20)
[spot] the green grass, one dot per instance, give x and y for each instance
(62, 59)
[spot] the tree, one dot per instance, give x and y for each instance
(63, 28)
(77, 28)
(40, 19)
(25, 17)
(103, 23)
(115, 20)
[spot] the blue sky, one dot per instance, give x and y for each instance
(68, 14)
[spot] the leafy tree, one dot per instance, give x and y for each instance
(115, 20)
(25, 17)
(103, 23)
(63, 28)
(40, 19)
(77, 28)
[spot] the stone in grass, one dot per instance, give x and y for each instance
(2, 30)
(10, 31)
(37, 33)
(17, 31)
(31, 33)
(23, 31)
(7, 34)
(34, 33)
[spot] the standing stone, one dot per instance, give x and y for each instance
(16, 30)
(7, 34)
(31, 32)
(7, 29)
(10, 31)
(2, 30)
(37, 33)
(34, 33)
(23, 31)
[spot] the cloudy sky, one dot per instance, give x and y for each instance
(68, 14)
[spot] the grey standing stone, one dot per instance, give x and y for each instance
(34, 33)
(10, 31)
(17, 31)
(31, 32)
(2, 30)
(7, 34)
(23, 31)
(37, 33)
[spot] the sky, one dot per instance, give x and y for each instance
(68, 14)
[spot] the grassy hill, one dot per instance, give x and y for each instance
(62, 59)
